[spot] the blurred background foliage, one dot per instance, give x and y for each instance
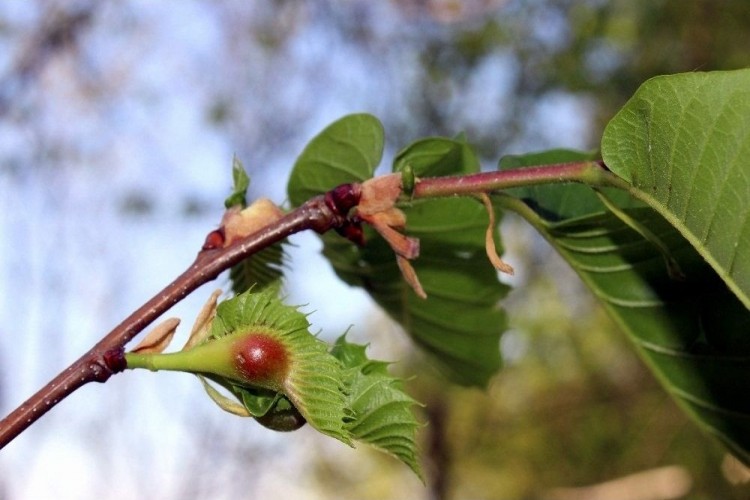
(143, 105)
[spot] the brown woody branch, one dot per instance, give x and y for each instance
(105, 358)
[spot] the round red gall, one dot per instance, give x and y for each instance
(343, 198)
(260, 358)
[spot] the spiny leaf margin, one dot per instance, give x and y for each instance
(381, 412)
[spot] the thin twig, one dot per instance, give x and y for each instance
(589, 172)
(320, 214)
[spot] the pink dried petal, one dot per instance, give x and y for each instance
(392, 217)
(403, 245)
(159, 338)
(410, 276)
(489, 240)
(379, 194)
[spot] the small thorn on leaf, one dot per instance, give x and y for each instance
(489, 240)
(158, 339)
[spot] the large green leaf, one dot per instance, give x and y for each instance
(691, 332)
(348, 150)
(460, 323)
(683, 142)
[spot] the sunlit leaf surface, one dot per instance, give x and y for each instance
(683, 142)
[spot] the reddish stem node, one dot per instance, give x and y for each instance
(343, 198)
(114, 360)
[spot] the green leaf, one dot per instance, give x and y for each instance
(257, 401)
(683, 142)
(348, 150)
(460, 323)
(241, 184)
(381, 412)
(436, 156)
(691, 333)
(264, 269)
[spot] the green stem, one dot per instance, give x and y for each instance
(212, 358)
(586, 172)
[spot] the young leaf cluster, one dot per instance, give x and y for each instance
(460, 324)
(265, 268)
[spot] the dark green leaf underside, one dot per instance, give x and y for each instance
(551, 201)
(692, 333)
(264, 269)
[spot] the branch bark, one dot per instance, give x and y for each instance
(105, 358)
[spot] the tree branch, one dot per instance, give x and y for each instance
(105, 358)
(592, 173)
(320, 214)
